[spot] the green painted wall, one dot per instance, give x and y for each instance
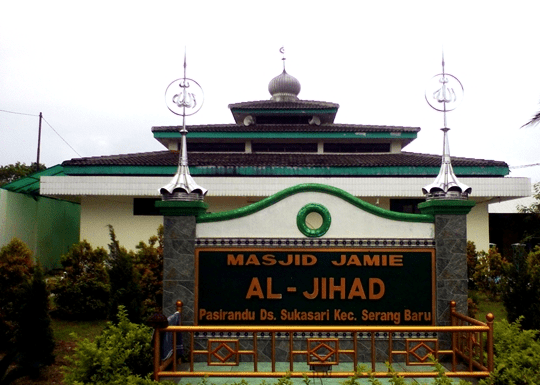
(48, 226)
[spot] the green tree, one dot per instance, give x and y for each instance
(149, 263)
(532, 221)
(83, 290)
(472, 262)
(12, 172)
(488, 272)
(533, 208)
(16, 270)
(124, 279)
(27, 338)
(521, 287)
(533, 121)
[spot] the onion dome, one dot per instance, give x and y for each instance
(284, 87)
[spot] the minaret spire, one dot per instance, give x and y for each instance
(446, 184)
(183, 97)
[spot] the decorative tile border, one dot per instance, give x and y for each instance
(319, 242)
(303, 335)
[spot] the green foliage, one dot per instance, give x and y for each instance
(472, 261)
(532, 234)
(12, 172)
(83, 291)
(533, 208)
(488, 272)
(305, 379)
(35, 330)
(441, 378)
(394, 379)
(124, 281)
(27, 339)
(521, 287)
(16, 269)
(517, 355)
(361, 371)
(94, 284)
(473, 301)
(148, 261)
(285, 380)
(121, 354)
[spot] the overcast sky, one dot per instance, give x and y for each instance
(98, 70)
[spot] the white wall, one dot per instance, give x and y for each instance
(348, 221)
(478, 226)
(98, 212)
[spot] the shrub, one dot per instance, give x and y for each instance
(521, 288)
(472, 304)
(121, 354)
(83, 290)
(517, 355)
(149, 263)
(124, 281)
(472, 261)
(488, 272)
(16, 269)
(27, 339)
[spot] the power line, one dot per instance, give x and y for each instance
(60, 136)
(52, 128)
(525, 166)
(18, 113)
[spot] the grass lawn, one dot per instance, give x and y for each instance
(485, 306)
(65, 345)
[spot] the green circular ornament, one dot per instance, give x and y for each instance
(310, 227)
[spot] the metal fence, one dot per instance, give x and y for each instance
(465, 346)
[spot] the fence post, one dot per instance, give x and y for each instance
(490, 318)
(157, 321)
(454, 337)
(156, 354)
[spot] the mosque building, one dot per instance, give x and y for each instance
(273, 144)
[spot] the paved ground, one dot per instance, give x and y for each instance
(298, 367)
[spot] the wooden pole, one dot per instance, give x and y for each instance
(39, 141)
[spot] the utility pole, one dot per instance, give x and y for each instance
(39, 141)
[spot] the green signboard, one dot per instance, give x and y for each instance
(315, 286)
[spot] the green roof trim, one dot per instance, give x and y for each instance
(446, 207)
(283, 171)
(288, 135)
(314, 187)
(30, 183)
(181, 208)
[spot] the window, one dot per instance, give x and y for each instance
(356, 147)
(290, 119)
(284, 147)
(216, 147)
(145, 206)
(406, 205)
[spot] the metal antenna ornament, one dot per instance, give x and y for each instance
(183, 97)
(444, 93)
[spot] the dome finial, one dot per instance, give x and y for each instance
(282, 50)
(284, 87)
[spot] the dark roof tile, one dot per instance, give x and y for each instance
(168, 158)
(284, 105)
(331, 127)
